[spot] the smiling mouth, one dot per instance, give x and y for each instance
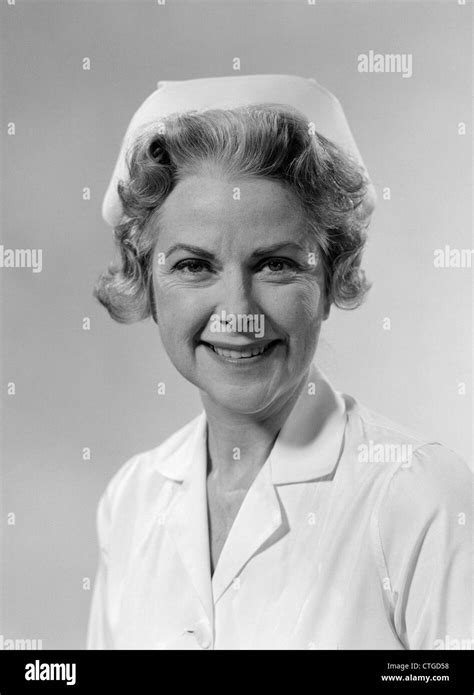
(244, 352)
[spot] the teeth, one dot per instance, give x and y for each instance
(238, 354)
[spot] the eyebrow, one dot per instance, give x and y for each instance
(197, 250)
(279, 246)
(258, 253)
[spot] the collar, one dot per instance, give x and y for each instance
(307, 447)
(310, 442)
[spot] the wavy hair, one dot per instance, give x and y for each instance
(267, 141)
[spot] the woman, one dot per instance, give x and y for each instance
(286, 515)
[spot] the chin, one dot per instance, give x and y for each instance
(244, 401)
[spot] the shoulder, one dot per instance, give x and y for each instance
(369, 425)
(144, 462)
(139, 475)
(436, 480)
(434, 472)
(433, 490)
(377, 432)
(416, 474)
(423, 515)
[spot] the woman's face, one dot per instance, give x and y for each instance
(237, 251)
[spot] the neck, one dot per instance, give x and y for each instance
(238, 444)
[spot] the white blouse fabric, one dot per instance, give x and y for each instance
(356, 534)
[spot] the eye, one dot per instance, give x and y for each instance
(278, 265)
(192, 266)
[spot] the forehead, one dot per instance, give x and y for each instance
(214, 207)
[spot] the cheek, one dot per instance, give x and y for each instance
(297, 308)
(181, 310)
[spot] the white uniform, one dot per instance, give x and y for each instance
(354, 535)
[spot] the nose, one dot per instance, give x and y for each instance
(236, 294)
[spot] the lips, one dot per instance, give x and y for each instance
(237, 352)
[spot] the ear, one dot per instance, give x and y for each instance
(154, 315)
(151, 299)
(327, 308)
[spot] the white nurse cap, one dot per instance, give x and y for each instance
(313, 101)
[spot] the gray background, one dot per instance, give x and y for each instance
(97, 388)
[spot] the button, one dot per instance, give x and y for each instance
(202, 634)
